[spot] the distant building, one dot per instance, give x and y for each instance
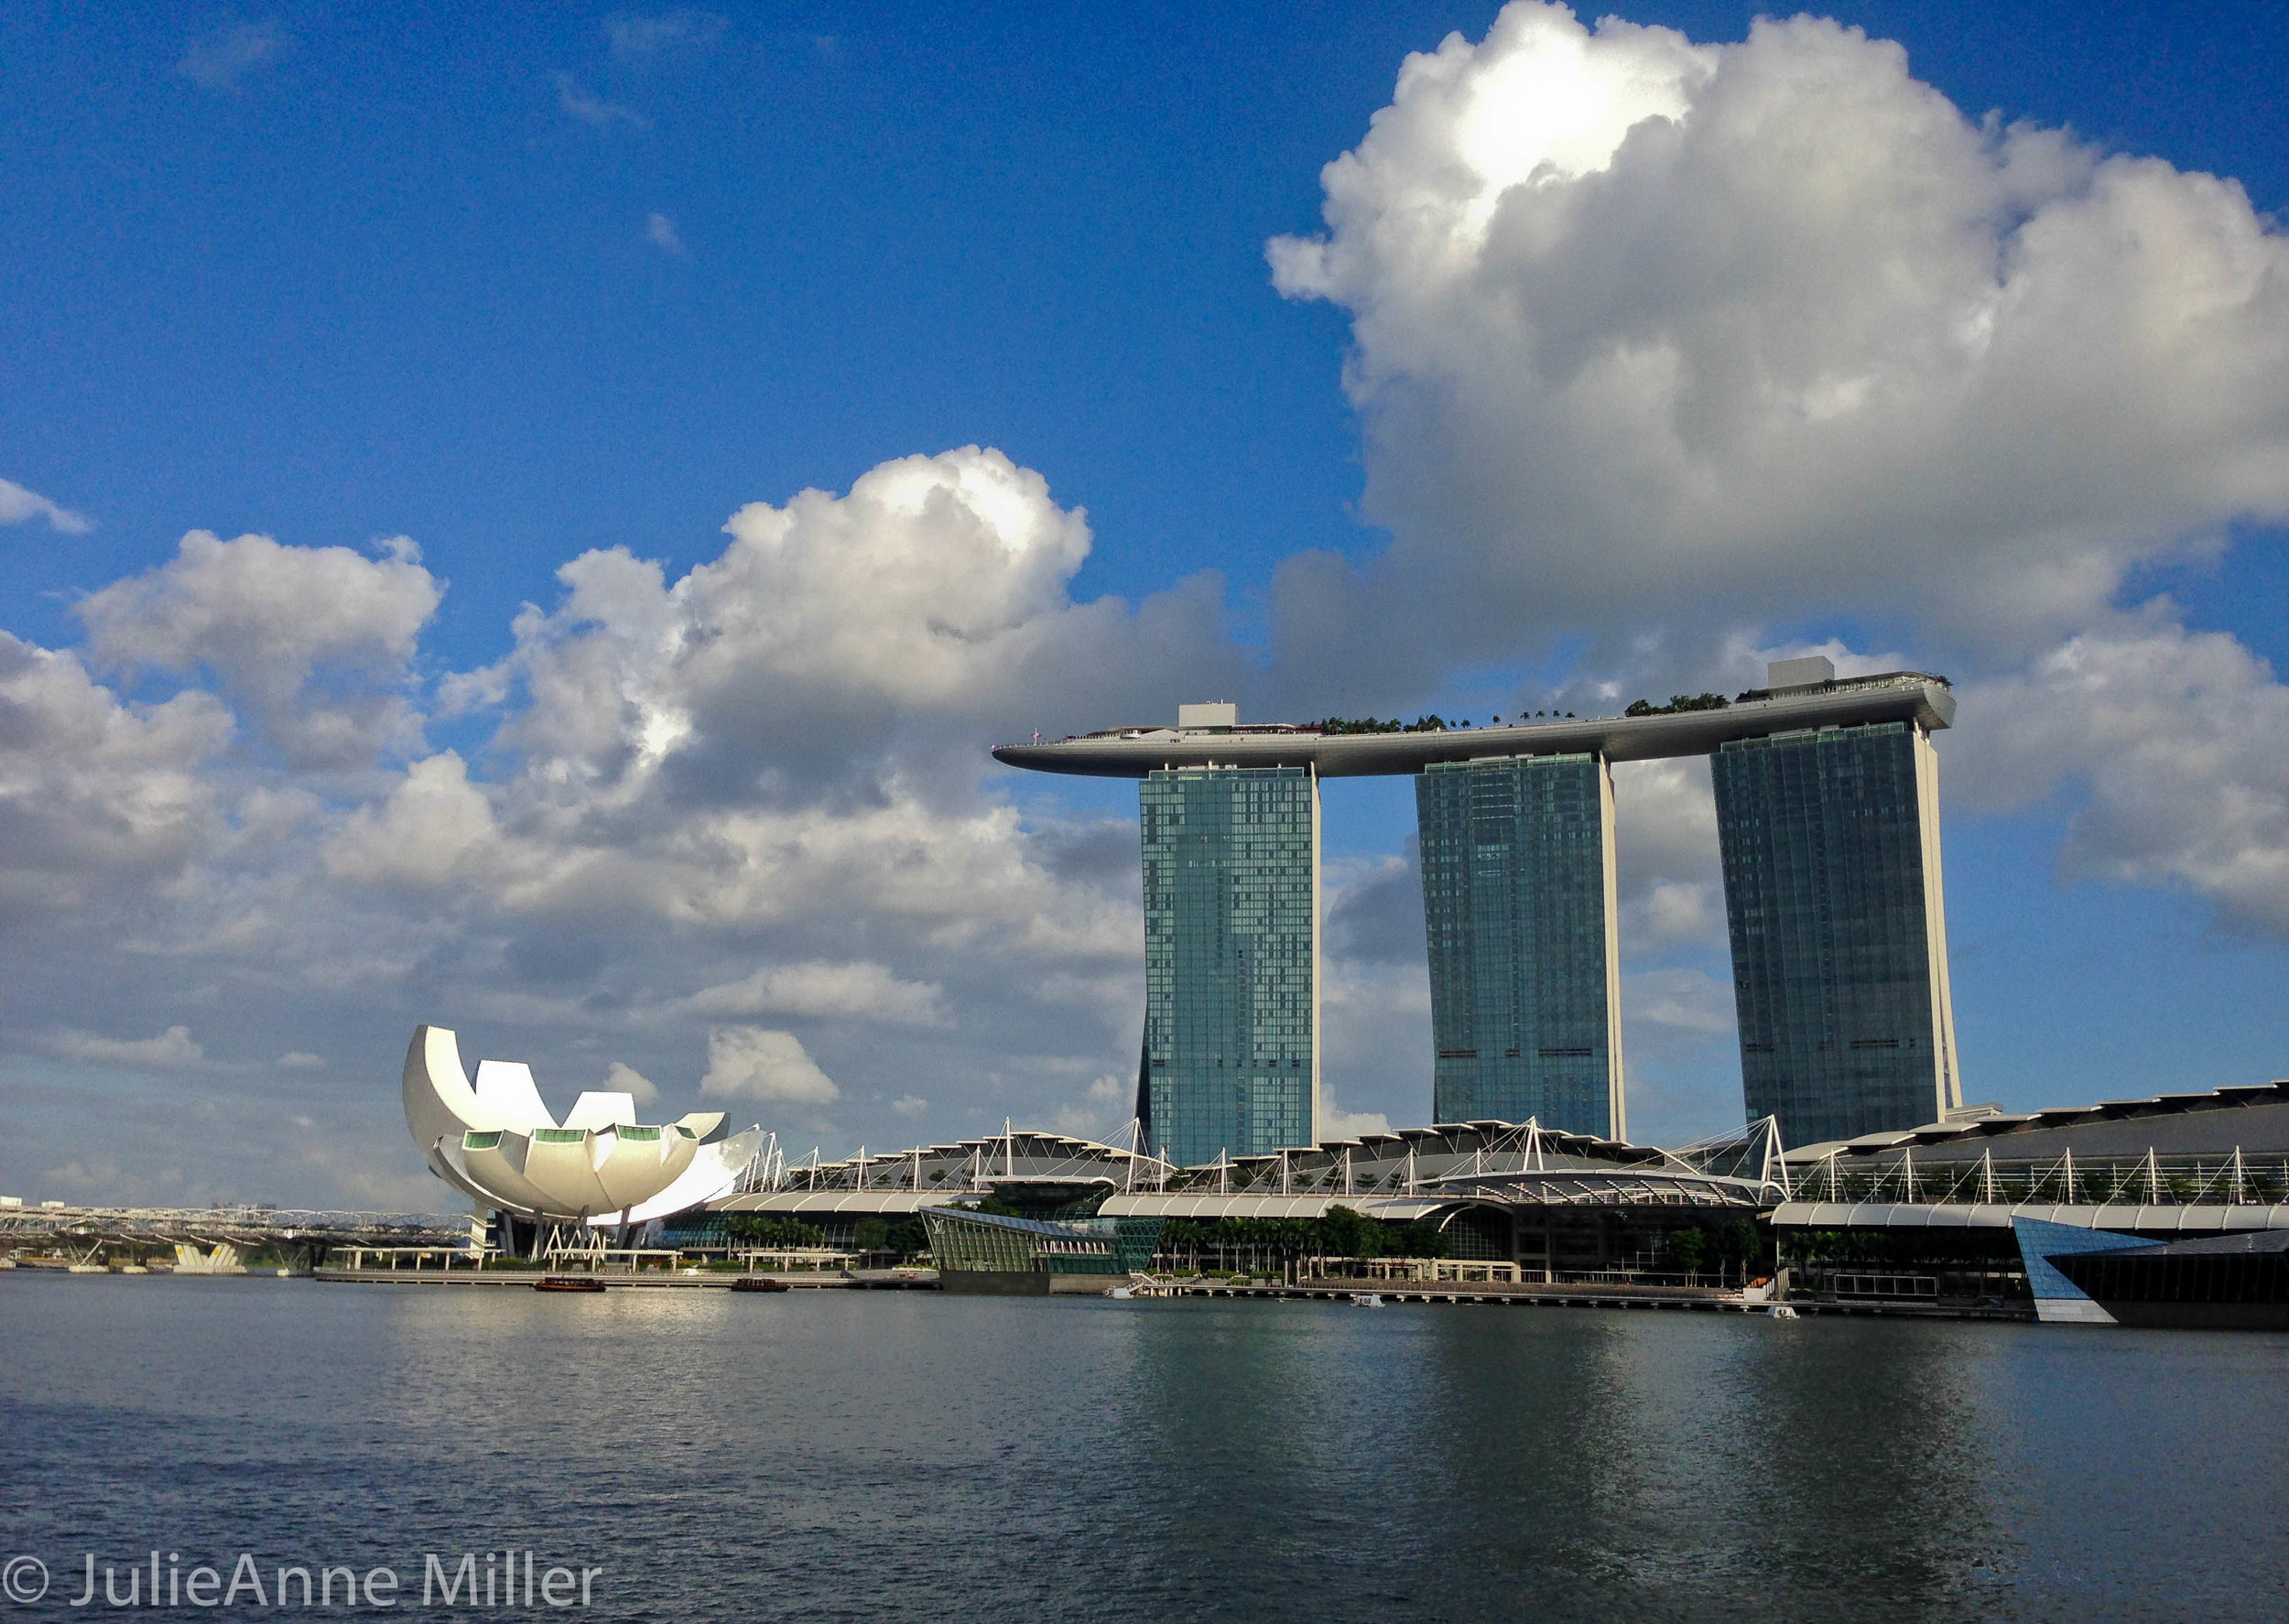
(1231, 961)
(1518, 904)
(979, 1253)
(1828, 811)
(1830, 842)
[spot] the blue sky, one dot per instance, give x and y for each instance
(522, 287)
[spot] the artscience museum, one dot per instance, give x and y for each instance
(498, 1143)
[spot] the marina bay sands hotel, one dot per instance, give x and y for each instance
(1828, 817)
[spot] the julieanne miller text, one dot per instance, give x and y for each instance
(490, 1579)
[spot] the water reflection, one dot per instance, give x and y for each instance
(863, 1456)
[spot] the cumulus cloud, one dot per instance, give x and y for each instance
(1664, 843)
(435, 827)
(1335, 1123)
(753, 1063)
(593, 110)
(626, 1079)
(219, 61)
(97, 796)
(1647, 330)
(764, 779)
(172, 1050)
(2173, 746)
(315, 642)
(660, 231)
(19, 506)
(925, 605)
(301, 1060)
(853, 991)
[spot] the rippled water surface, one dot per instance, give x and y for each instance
(912, 1455)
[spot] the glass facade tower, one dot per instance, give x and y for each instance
(1231, 961)
(1518, 904)
(1830, 843)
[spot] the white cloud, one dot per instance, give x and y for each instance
(661, 231)
(1648, 330)
(1671, 889)
(435, 827)
(593, 110)
(97, 796)
(910, 1105)
(2173, 743)
(639, 36)
(316, 642)
(1337, 1124)
(301, 1060)
(18, 505)
(219, 61)
(1108, 1089)
(626, 1079)
(853, 991)
(675, 793)
(752, 1063)
(172, 1050)
(1684, 1005)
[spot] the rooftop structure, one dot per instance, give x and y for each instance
(1558, 1205)
(2253, 1117)
(1042, 1173)
(2212, 1162)
(1136, 751)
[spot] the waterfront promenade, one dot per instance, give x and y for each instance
(1526, 1294)
(890, 1280)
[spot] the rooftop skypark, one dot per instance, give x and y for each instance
(1213, 734)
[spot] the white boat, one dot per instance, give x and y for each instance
(1367, 1299)
(133, 1269)
(1783, 1311)
(1122, 1292)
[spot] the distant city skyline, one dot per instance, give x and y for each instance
(532, 525)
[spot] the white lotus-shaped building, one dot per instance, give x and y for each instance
(498, 1143)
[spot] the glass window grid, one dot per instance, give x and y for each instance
(1512, 856)
(1230, 936)
(1822, 842)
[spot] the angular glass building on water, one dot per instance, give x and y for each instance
(1518, 906)
(1830, 844)
(1231, 961)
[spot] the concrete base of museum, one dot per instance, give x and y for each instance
(1025, 1283)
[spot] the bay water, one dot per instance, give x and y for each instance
(911, 1456)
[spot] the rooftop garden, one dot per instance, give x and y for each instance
(1678, 704)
